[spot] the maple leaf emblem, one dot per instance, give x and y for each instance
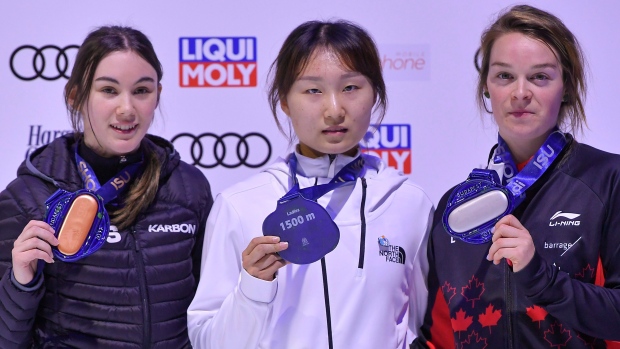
(461, 322)
(588, 271)
(557, 336)
(448, 291)
(490, 317)
(536, 313)
(474, 341)
(473, 291)
(589, 341)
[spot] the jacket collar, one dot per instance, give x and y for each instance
(55, 162)
(325, 166)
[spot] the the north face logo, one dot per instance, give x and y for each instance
(393, 253)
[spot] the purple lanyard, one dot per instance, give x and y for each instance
(346, 176)
(112, 188)
(535, 168)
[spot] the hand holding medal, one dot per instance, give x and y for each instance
(34, 243)
(80, 219)
(511, 241)
(478, 204)
(261, 260)
(304, 224)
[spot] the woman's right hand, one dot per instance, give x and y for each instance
(260, 258)
(34, 243)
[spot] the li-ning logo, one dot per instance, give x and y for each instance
(570, 216)
(392, 253)
(172, 228)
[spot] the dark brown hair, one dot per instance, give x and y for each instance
(550, 30)
(97, 45)
(354, 47)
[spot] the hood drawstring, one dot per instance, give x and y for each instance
(360, 264)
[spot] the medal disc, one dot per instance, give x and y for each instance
(306, 226)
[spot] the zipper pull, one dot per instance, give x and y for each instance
(123, 159)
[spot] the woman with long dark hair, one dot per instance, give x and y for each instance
(101, 232)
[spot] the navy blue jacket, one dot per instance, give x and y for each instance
(133, 292)
(573, 216)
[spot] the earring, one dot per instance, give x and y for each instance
(487, 94)
(565, 98)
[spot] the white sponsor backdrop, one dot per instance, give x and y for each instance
(434, 94)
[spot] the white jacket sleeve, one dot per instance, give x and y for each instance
(231, 307)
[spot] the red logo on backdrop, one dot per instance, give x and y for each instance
(217, 62)
(392, 143)
(406, 62)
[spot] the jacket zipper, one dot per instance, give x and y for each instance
(146, 315)
(509, 305)
(360, 264)
(327, 308)
(328, 314)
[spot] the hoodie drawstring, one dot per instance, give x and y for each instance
(360, 264)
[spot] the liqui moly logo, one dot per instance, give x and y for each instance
(392, 143)
(217, 62)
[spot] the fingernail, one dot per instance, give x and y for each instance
(284, 244)
(492, 230)
(488, 257)
(276, 238)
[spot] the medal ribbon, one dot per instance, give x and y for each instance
(112, 188)
(108, 192)
(535, 168)
(514, 184)
(346, 176)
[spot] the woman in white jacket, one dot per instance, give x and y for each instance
(265, 288)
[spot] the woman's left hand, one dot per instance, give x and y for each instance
(511, 241)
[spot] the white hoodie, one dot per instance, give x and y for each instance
(378, 305)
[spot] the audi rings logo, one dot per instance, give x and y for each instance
(28, 62)
(229, 150)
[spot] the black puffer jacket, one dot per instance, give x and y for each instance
(133, 292)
